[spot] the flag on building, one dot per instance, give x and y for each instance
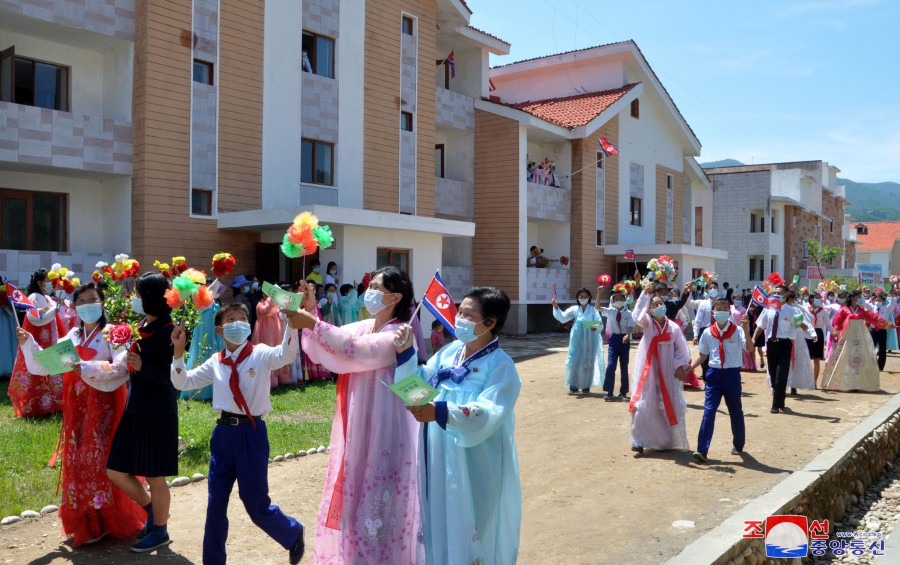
(629, 254)
(607, 147)
(18, 299)
(439, 302)
(764, 300)
(450, 61)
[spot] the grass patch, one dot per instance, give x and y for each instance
(300, 419)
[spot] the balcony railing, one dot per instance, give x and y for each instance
(39, 136)
(454, 110)
(540, 283)
(454, 198)
(549, 202)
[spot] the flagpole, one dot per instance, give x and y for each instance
(573, 173)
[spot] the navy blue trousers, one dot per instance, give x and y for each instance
(616, 354)
(242, 453)
(719, 383)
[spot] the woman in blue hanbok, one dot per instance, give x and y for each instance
(472, 499)
(585, 363)
(204, 342)
(8, 344)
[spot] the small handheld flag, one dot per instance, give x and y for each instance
(439, 302)
(765, 301)
(607, 147)
(553, 295)
(629, 254)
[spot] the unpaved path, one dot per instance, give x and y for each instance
(587, 497)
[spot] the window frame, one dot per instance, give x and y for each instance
(404, 20)
(441, 147)
(640, 212)
(313, 54)
(10, 53)
(315, 144)
(411, 119)
(210, 200)
(600, 242)
(636, 108)
(698, 226)
(28, 196)
(211, 68)
(391, 251)
(670, 181)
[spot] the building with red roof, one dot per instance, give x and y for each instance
(877, 244)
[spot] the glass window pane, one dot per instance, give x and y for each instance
(24, 82)
(325, 57)
(382, 258)
(323, 164)
(48, 222)
(201, 202)
(46, 80)
(12, 224)
(306, 161)
(401, 261)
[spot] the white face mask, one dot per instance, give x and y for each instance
(584, 301)
(372, 300)
(619, 304)
(712, 293)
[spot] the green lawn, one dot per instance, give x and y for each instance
(300, 419)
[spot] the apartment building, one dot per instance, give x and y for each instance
(765, 214)
(878, 245)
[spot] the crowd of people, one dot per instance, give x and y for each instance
(435, 483)
(830, 338)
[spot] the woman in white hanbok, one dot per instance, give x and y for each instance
(657, 405)
(801, 374)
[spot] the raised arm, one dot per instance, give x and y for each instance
(339, 350)
(641, 313)
(563, 316)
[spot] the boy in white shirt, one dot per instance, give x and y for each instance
(703, 317)
(619, 325)
(722, 346)
(239, 447)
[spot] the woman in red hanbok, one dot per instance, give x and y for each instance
(92, 506)
(852, 365)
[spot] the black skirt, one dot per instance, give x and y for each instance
(817, 348)
(145, 446)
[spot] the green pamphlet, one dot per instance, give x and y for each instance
(414, 391)
(58, 359)
(796, 279)
(285, 300)
(798, 320)
(596, 324)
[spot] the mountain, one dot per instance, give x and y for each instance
(867, 199)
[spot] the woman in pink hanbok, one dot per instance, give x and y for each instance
(657, 405)
(370, 508)
(269, 331)
(682, 321)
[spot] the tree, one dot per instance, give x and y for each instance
(821, 253)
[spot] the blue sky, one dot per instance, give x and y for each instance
(760, 82)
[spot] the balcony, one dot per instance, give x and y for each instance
(454, 198)
(458, 280)
(549, 202)
(39, 136)
(540, 284)
(112, 18)
(454, 110)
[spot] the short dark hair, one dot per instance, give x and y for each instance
(152, 288)
(330, 263)
(346, 288)
(220, 313)
(34, 285)
(853, 294)
(712, 284)
(585, 290)
(395, 280)
(494, 304)
(783, 287)
(101, 323)
(717, 301)
(330, 285)
(315, 263)
(436, 324)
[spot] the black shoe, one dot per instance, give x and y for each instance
(700, 457)
(585, 391)
(774, 410)
(793, 392)
(573, 390)
(296, 552)
(638, 449)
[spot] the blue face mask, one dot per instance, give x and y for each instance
(255, 285)
(658, 312)
(89, 313)
(316, 270)
(236, 333)
(48, 287)
(137, 306)
(372, 301)
(465, 330)
(331, 295)
(721, 316)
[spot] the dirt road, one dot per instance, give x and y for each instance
(586, 497)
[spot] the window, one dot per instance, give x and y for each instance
(201, 202)
(670, 182)
(698, 226)
(831, 222)
(601, 159)
(439, 160)
(805, 250)
(318, 55)
(773, 223)
(636, 108)
(406, 121)
(696, 274)
(316, 162)
(794, 221)
(772, 262)
(753, 224)
(203, 72)
(33, 83)
(757, 221)
(392, 257)
(793, 263)
(407, 26)
(635, 211)
(45, 221)
(599, 238)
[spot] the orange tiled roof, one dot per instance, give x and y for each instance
(573, 111)
(881, 236)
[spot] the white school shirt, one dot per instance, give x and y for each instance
(253, 375)
(704, 314)
(734, 347)
(820, 318)
(612, 327)
(887, 309)
(786, 329)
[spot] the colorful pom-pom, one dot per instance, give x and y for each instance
(604, 280)
(291, 250)
(222, 264)
(204, 298)
(185, 286)
(323, 236)
(173, 298)
(306, 219)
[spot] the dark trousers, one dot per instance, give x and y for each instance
(880, 339)
(719, 383)
(242, 453)
(778, 357)
(704, 366)
(616, 354)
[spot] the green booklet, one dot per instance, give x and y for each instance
(798, 320)
(58, 359)
(596, 324)
(414, 391)
(285, 300)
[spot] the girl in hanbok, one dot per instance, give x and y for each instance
(91, 506)
(350, 303)
(682, 320)
(37, 395)
(8, 324)
(330, 306)
(204, 343)
(469, 470)
(852, 365)
(370, 506)
(585, 364)
(269, 331)
(657, 405)
(800, 374)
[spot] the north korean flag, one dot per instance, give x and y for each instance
(439, 302)
(17, 298)
(764, 300)
(607, 147)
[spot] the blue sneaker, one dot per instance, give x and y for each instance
(157, 538)
(148, 527)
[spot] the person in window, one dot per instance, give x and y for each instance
(305, 64)
(536, 257)
(37, 395)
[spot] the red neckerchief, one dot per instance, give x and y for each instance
(815, 314)
(234, 380)
(717, 333)
(653, 354)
